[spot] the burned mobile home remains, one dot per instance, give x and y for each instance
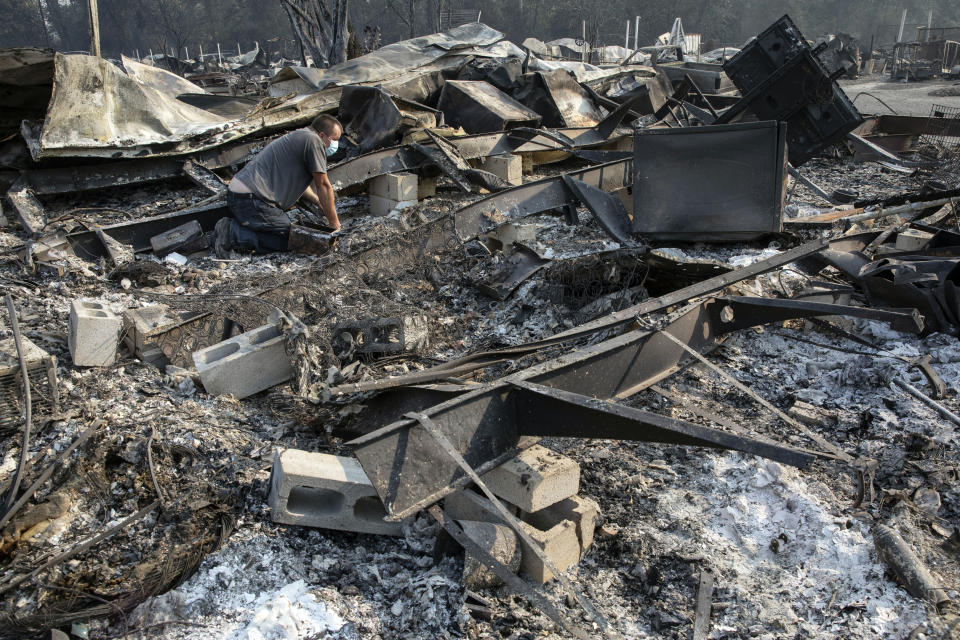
(646, 343)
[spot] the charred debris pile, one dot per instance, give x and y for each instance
(558, 285)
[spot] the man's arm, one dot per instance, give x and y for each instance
(326, 200)
(310, 195)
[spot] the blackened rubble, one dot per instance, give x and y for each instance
(450, 335)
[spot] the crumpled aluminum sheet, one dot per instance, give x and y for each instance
(96, 105)
(160, 79)
(395, 59)
(98, 111)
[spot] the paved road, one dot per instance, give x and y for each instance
(905, 98)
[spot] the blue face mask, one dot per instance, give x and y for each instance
(332, 149)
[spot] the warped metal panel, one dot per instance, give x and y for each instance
(721, 182)
(479, 107)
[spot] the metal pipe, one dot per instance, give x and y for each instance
(895, 211)
(930, 402)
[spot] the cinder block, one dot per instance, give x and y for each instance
(912, 240)
(581, 511)
(426, 187)
(535, 479)
(94, 334)
(326, 491)
(559, 543)
(385, 206)
(506, 166)
(395, 186)
(559, 540)
(245, 364)
(467, 504)
(137, 323)
(499, 541)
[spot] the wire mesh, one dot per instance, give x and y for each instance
(943, 128)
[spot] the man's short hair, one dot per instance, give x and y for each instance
(326, 124)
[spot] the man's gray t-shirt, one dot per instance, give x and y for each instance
(284, 169)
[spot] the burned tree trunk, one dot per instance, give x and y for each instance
(321, 28)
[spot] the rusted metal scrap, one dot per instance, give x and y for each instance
(568, 397)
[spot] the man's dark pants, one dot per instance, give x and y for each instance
(257, 225)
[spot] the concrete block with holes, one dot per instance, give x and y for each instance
(94, 334)
(245, 364)
(322, 490)
(507, 166)
(535, 478)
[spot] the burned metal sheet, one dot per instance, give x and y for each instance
(158, 78)
(447, 158)
(203, 177)
(138, 233)
(536, 197)
(607, 209)
(515, 270)
(226, 106)
(394, 60)
(356, 171)
(95, 105)
(551, 412)
(479, 107)
(558, 98)
(410, 473)
(647, 88)
(716, 183)
(709, 78)
(611, 321)
(370, 116)
(184, 138)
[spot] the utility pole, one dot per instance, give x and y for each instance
(583, 52)
(94, 28)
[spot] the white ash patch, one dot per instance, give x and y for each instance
(774, 531)
(274, 583)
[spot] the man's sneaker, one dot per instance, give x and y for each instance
(221, 238)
